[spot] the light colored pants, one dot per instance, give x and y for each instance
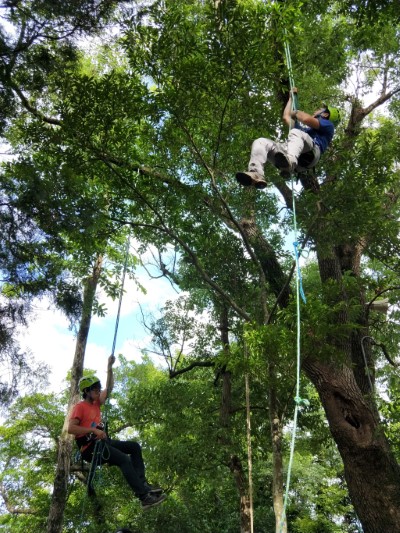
(298, 142)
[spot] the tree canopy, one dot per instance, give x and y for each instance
(135, 117)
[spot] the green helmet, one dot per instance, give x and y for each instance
(88, 381)
(334, 114)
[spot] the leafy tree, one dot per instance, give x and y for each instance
(28, 442)
(166, 130)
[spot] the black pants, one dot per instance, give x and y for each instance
(127, 455)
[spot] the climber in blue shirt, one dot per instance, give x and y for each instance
(309, 137)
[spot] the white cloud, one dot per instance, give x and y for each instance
(49, 340)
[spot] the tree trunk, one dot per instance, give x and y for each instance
(65, 444)
(240, 477)
(277, 462)
(268, 260)
(235, 464)
(371, 471)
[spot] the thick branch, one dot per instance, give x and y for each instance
(395, 288)
(201, 364)
(173, 235)
(358, 113)
(25, 102)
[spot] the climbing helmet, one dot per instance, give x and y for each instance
(88, 381)
(334, 113)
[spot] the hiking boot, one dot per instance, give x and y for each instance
(153, 489)
(283, 162)
(251, 178)
(151, 500)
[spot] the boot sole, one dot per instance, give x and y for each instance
(156, 492)
(244, 179)
(260, 184)
(281, 162)
(158, 502)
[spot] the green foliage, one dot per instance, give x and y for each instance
(146, 133)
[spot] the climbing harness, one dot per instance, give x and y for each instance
(100, 455)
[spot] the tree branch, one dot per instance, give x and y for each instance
(202, 364)
(35, 112)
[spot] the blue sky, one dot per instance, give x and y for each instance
(50, 340)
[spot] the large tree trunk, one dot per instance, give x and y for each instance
(345, 389)
(371, 471)
(65, 444)
(234, 462)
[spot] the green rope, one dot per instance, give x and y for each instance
(101, 454)
(128, 243)
(290, 73)
(299, 292)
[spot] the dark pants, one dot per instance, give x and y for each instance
(127, 455)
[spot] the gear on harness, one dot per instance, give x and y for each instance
(87, 440)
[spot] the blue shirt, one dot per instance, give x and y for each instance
(323, 136)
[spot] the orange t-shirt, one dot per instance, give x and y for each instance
(88, 414)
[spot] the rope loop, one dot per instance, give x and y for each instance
(302, 401)
(299, 276)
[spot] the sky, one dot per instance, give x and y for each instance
(49, 339)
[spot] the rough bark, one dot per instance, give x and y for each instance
(65, 444)
(371, 471)
(345, 389)
(240, 477)
(234, 462)
(277, 461)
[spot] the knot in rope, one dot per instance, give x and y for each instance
(301, 401)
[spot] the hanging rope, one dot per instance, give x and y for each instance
(100, 452)
(128, 242)
(121, 294)
(290, 74)
(299, 292)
